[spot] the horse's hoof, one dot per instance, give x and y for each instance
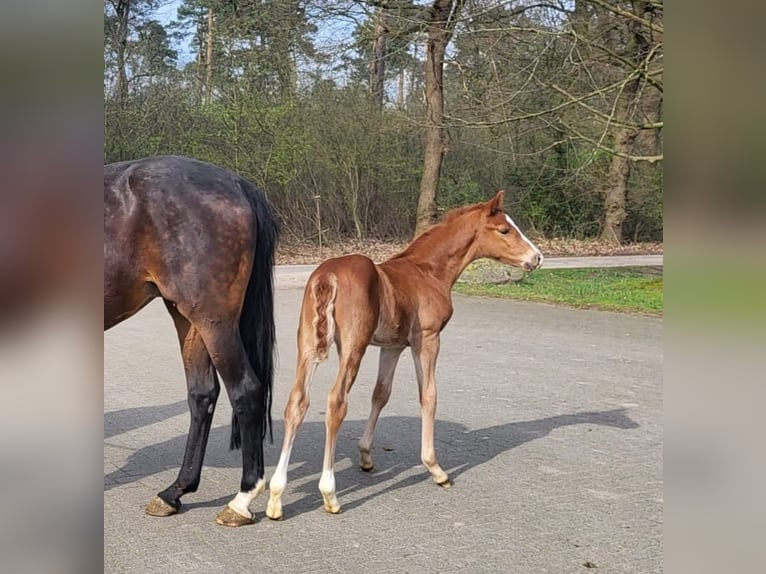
(274, 511)
(331, 503)
(366, 467)
(158, 507)
(446, 483)
(229, 517)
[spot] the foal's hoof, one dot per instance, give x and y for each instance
(333, 508)
(331, 503)
(365, 460)
(445, 483)
(158, 507)
(229, 517)
(274, 510)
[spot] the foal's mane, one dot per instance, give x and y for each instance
(448, 219)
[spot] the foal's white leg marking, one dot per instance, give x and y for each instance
(327, 480)
(327, 488)
(242, 501)
(277, 485)
(524, 237)
(279, 479)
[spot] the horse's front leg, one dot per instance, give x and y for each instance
(425, 350)
(380, 396)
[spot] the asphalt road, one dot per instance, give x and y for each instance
(549, 423)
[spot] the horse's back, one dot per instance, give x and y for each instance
(173, 226)
(164, 180)
(353, 269)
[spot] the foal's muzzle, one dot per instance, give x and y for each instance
(535, 263)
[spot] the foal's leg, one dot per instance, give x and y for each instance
(295, 412)
(424, 351)
(388, 359)
(246, 393)
(203, 389)
(337, 407)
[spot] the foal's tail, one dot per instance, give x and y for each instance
(256, 322)
(324, 289)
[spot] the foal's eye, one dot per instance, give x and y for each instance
(505, 230)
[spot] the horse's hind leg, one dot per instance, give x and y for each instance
(316, 331)
(386, 367)
(337, 407)
(246, 394)
(295, 412)
(203, 389)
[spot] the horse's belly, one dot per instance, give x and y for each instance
(388, 336)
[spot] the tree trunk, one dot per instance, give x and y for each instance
(200, 59)
(209, 59)
(616, 191)
(378, 62)
(442, 15)
(650, 141)
(400, 91)
(288, 77)
(122, 9)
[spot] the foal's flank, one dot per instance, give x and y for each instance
(403, 302)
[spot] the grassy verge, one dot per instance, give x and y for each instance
(625, 289)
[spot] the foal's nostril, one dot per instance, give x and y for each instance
(534, 262)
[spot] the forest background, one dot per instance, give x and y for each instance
(364, 120)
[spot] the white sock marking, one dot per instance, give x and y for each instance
(279, 479)
(242, 501)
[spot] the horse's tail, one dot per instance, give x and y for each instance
(256, 322)
(324, 289)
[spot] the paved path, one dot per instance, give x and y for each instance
(295, 276)
(549, 422)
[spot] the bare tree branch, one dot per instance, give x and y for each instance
(615, 85)
(610, 119)
(646, 158)
(627, 14)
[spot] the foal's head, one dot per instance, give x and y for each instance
(500, 238)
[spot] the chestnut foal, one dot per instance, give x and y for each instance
(405, 301)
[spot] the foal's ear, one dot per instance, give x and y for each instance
(495, 204)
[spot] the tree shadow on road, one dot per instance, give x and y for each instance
(396, 451)
(125, 420)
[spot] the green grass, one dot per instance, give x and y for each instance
(625, 289)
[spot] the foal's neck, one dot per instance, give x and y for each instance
(443, 251)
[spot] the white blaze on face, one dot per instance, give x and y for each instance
(524, 237)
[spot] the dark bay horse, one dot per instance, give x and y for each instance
(403, 302)
(203, 239)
